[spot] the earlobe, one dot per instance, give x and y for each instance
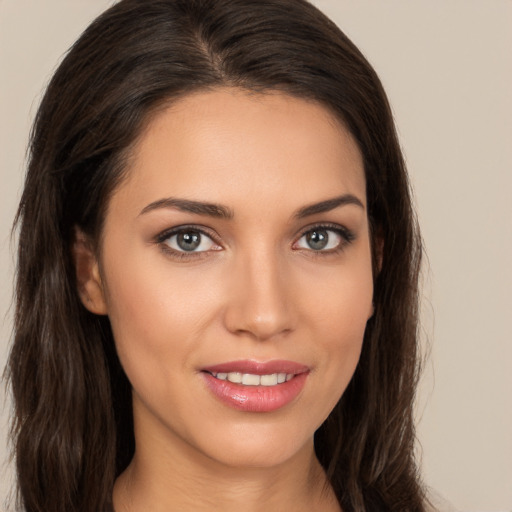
(378, 254)
(88, 277)
(372, 311)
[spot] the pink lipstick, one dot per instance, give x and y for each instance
(255, 386)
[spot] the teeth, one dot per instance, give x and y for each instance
(249, 379)
(235, 377)
(269, 380)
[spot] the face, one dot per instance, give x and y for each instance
(236, 250)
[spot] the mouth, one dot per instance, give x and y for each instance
(251, 379)
(256, 387)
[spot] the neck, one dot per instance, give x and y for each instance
(172, 480)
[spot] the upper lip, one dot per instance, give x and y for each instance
(257, 367)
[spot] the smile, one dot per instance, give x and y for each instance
(256, 387)
(250, 379)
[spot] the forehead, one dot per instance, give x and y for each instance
(223, 144)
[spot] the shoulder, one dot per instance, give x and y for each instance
(437, 503)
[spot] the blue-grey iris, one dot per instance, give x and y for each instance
(317, 239)
(188, 240)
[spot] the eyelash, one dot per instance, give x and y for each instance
(347, 237)
(163, 237)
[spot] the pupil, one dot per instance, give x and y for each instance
(317, 239)
(189, 240)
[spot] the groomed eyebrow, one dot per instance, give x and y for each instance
(328, 205)
(223, 212)
(190, 206)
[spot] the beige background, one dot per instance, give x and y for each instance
(447, 67)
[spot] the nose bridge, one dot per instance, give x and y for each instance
(260, 300)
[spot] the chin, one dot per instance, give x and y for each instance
(260, 447)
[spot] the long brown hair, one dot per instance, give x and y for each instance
(72, 429)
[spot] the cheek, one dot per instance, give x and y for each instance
(156, 312)
(341, 301)
(338, 317)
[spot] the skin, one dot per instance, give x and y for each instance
(257, 291)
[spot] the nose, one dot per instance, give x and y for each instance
(260, 304)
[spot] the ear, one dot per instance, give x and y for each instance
(378, 254)
(377, 257)
(377, 248)
(88, 278)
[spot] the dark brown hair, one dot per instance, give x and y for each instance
(72, 429)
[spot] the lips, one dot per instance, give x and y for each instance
(253, 386)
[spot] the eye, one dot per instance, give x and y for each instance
(189, 240)
(323, 238)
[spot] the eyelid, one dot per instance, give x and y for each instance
(347, 235)
(165, 235)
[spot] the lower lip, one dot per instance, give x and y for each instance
(256, 398)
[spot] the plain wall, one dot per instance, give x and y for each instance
(447, 68)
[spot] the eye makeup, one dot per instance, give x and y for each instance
(324, 239)
(187, 242)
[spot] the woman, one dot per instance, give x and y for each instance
(217, 274)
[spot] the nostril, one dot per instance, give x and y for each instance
(260, 305)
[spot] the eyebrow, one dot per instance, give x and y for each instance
(328, 205)
(190, 206)
(223, 212)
